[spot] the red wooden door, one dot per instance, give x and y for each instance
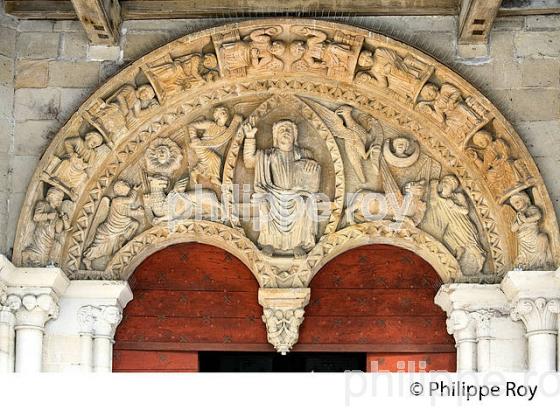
(191, 297)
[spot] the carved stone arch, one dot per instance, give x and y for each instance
(127, 259)
(246, 66)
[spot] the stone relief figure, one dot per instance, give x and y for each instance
(447, 219)
(116, 221)
(447, 106)
(206, 136)
(317, 54)
(282, 327)
(170, 76)
(285, 176)
(69, 172)
(133, 102)
(533, 247)
(504, 174)
(121, 111)
(166, 205)
(257, 51)
(51, 218)
(385, 68)
(163, 156)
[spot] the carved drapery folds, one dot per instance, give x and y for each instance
(238, 135)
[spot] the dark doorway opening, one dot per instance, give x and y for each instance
(275, 362)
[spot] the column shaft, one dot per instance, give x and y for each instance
(29, 349)
(103, 354)
(542, 351)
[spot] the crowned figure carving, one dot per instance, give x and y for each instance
(286, 175)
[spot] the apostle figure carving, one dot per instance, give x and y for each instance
(170, 76)
(116, 222)
(69, 172)
(215, 133)
(504, 174)
(132, 102)
(447, 106)
(51, 221)
(533, 248)
(385, 68)
(447, 219)
(285, 176)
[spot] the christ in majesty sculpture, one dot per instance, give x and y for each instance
(286, 176)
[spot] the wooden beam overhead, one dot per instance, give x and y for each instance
(169, 9)
(101, 20)
(476, 18)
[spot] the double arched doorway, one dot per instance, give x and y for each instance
(195, 308)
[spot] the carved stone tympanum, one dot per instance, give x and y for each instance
(288, 142)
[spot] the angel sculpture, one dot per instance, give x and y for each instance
(116, 222)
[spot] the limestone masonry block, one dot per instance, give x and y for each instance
(37, 45)
(32, 73)
(33, 104)
(73, 74)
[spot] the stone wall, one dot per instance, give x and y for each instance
(47, 70)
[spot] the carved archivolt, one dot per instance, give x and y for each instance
(227, 137)
(287, 142)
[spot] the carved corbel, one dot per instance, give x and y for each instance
(283, 311)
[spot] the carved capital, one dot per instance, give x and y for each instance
(462, 325)
(283, 311)
(33, 310)
(101, 321)
(539, 315)
(482, 319)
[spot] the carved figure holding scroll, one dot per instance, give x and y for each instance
(51, 221)
(533, 247)
(285, 176)
(116, 222)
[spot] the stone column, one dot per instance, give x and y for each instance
(540, 318)
(7, 333)
(462, 326)
(483, 338)
(32, 311)
(97, 329)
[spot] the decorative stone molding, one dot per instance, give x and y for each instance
(283, 314)
(32, 310)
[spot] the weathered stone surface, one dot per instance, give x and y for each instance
(21, 171)
(68, 26)
(537, 44)
(543, 22)
(4, 171)
(37, 45)
(6, 71)
(73, 74)
(37, 104)
(74, 45)
(540, 73)
(32, 137)
(32, 73)
(528, 104)
(7, 101)
(508, 23)
(472, 51)
(6, 134)
(103, 53)
(70, 98)
(7, 41)
(137, 45)
(36, 25)
(541, 137)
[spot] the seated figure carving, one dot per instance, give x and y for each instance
(285, 176)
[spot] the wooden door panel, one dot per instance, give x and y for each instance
(411, 362)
